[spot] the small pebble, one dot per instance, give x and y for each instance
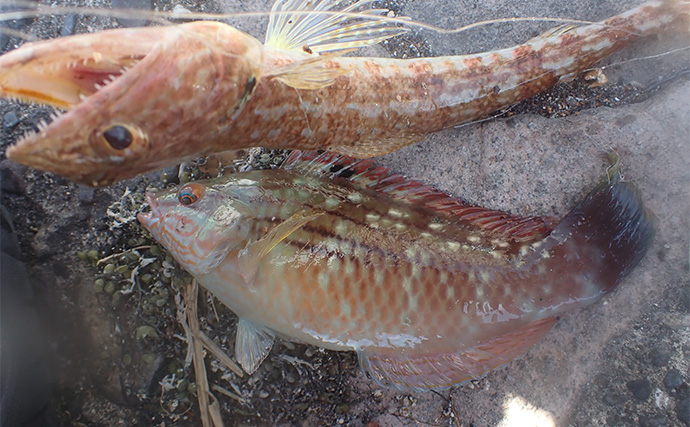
(69, 25)
(180, 10)
(673, 379)
(641, 388)
(653, 421)
(613, 399)
(109, 287)
(10, 120)
(85, 194)
(109, 269)
(132, 4)
(12, 177)
(116, 299)
(659, 357)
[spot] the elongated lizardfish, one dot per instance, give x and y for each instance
(146, 98)
(428, 290)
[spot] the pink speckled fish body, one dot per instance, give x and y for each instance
(428, 290)
(204, 87)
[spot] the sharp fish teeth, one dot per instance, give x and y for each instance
(82, 97)
(97, 86)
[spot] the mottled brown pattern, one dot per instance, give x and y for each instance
(185, 98)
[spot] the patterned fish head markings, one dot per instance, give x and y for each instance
(119, 97)
(202, 222)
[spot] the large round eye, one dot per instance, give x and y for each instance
(190, 193)
(118, 136)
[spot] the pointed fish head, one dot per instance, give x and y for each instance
(200, 223)
(133, 97)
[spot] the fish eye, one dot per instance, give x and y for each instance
(118, 136)
(190, 193)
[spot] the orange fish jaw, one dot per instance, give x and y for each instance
(122, 89)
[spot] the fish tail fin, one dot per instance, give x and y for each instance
(612, 229)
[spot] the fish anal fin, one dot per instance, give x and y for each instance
(249, 258)
(252, 344)
(318, 32)
(410, 369)
(364, 174)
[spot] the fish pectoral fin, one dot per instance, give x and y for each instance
(310, 73)
(249, 258)
(413, 369)
(311, 31)
(252, 344)
(215, 257)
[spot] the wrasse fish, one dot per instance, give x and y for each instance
(427, 289)
(147, 98)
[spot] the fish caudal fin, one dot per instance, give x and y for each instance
(438, 371)
(612, 230)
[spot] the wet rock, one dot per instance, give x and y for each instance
(69, 25)
(683, 410)
(132, 4)
(641, 388)
(614, 399)
(657, 420)
(12, 177)
(85, 194)
(659, 357)
(673, 379)
(10, 120)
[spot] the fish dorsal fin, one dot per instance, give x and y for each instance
(414, 369)
(249, 258)
(364, 174)
(553, 32)
(252, 344)
(324, 32)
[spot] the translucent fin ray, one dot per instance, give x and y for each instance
(310, 73)
(439, 371)
(327, 32)
(252, 344)
(251, 255)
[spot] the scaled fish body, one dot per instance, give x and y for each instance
(428, 290)
(146, 98)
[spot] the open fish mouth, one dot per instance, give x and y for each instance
(151, 218)
(66, 73)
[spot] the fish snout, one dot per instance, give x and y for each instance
(151, 218)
